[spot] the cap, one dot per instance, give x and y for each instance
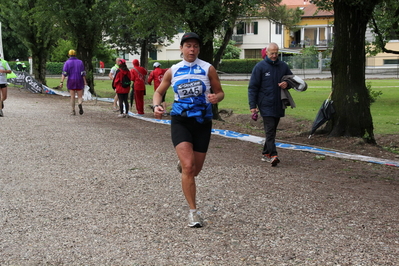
(16, 60)
(72, 52)
(156, 64)
(190, 35)
(122, 61)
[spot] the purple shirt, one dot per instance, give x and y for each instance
(74, 70)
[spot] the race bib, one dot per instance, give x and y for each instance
(189, 89)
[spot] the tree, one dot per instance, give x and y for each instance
(139, 25)
(102, 52)
(231, 51)
(60, 51)
(13, 48)
(247, 10)
(350, 95)
(385, 26)
(34, 27)
(84, 22)
(208, 18)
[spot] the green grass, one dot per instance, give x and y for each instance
(385, 110)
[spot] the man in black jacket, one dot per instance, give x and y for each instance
(264, 95)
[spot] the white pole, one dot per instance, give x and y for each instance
(1, 44)
(31, 65)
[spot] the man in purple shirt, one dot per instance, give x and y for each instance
(75, 71)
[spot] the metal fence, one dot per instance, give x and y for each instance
(312, 64)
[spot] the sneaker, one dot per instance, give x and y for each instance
(194, 220)
(274, 160)
(80, 109)
(121, 115)
(115, 109)
(266, 158)
(179, 167)
(1, 113)
(73, 112)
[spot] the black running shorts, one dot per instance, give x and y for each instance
(187, 129)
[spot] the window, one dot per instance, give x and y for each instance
(154, 55)
(252, 28)
(391, 61)
(279, 28)
(247, 28)
(241, 28)
(252, 53)
(124, 55)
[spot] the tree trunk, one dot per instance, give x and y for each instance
(206, 54)
(39, 59)
(350, 95)
(219, 54)
(86, 55)
(144, 54)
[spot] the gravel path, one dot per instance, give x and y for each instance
(97, 190)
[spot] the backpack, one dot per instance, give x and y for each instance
(126, 81)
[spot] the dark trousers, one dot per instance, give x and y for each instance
(123, 102)
(270, 125)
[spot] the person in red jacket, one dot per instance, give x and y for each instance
(102, 68)
(156, 75)
(264, 52)
(138, 75)
(122, 89)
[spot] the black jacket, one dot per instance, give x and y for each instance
(263, 90)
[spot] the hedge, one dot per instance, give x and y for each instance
(243, 66)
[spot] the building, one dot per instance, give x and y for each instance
(253, 34)
(315, 29)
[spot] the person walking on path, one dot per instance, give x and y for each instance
(122, 89)
(157, 75)
(4, 70)
(111, 76)
(102, 68)
(18, 65)
(264, 95)
(138, 75)
(75, 71)
(196, 86)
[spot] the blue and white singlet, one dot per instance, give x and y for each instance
(191, 85)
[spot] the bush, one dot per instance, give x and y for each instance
(243, 66)
(373, 94)
(231, 66)
(13, 65)
(54, 68)
(164, 63)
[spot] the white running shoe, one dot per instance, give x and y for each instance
(194, 220)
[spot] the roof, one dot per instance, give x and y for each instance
(309, 9)
(312, 10)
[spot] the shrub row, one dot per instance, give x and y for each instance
(227, 65)
(231, 66)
